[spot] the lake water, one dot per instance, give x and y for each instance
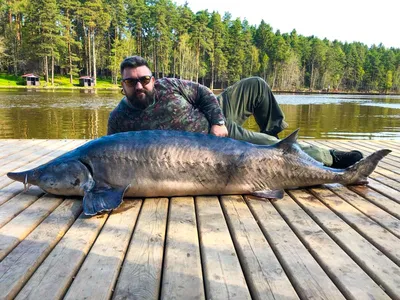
(78, 114)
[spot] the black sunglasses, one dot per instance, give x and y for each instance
(132, 82)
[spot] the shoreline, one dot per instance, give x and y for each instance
(216, 91)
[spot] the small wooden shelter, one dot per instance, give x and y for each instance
(86, 81)
(31, 79)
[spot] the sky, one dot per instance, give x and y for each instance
(367, 21)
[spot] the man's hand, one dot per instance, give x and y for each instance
(219, 130)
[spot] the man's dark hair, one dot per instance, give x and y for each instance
(133, 62)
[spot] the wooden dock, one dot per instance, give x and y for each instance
(329, 242)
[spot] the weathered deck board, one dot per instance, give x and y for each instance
(54, 276)
(182, 273)
(17, 229)
(344, 271)
(20, 264)
(140, 276)
(328, 242)
(264, 274)
(98, 274)
(223, 275)
(306, 275)
(371, 260)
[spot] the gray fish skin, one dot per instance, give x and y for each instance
(174, 163)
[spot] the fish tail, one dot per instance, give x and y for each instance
(359, 172)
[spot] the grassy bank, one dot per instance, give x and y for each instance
(60, 82)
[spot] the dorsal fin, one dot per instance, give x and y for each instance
(287, 144)
(290, 145)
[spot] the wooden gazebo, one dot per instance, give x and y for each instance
(31, 79)
(86, 81)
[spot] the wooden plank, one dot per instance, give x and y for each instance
(395, 155)
(19, 227)
(352, 281)
(140, 276)
(52, 279)
(26, 156)
(223, 275)
(264, 274)
(384, 189)
(381, 238)
(370, 259)
(4, 180)
(378, 199)
(379, 215)
(19, 265)
(17, 204)
(182, 272)
(9, 191)
(308, 278)
(394, 144)
(97, 276)
(17, 146)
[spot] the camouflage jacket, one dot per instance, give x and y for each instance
(179, 105)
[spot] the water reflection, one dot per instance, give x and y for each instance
(79, 114)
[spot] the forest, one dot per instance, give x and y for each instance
(73, 38)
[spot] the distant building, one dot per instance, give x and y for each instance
(86, 81)
(31, 79)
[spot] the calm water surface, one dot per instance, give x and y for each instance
(76, 114)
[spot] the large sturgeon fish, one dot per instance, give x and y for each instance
(173, 163)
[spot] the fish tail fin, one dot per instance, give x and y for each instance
(359, 172)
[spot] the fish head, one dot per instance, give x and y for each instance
(59, 177)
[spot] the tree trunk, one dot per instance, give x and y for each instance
(312, 75)
(89, 53)
(212, 73)
(70, 62)
(52, 67)
(46, 69)
(197, 61)
(94, 61)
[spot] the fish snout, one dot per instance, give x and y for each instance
(26, 177)
(18, 176)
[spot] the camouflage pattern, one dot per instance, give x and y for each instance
(178, 105)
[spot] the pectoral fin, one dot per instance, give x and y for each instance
(270, 194)
(100, 199)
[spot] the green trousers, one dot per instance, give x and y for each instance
(253, 96)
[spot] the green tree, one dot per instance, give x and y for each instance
(69, 10)
(374, 78)
(263, 41)
(200, 35)
(95, 20)
(235, 51)
(218, 62)
(353, 72)
(334, 66)
(316, 62)
(44, 35)
(138, 12)
(280, 53)
(14, 14)
(182, 21)
(163, 35)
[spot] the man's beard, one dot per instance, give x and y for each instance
(143, 101)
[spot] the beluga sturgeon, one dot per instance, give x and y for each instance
(157, 163)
